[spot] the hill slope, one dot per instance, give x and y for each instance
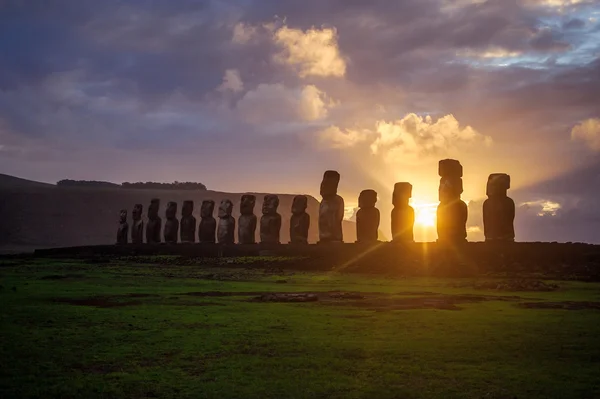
(42, 216)
(12, 182)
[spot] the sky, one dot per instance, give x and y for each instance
(265, 95)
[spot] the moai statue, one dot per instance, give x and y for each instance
(172, 224)
(300, 221)
(247, 220)
(188, 222)
(452, 212)
(498, 210)
(226, 228)
(331, 210)
(270, 222)
(208, 225)
(137, 226)
(123, 230)
(154, 222)
(367, 217)
(403, 215)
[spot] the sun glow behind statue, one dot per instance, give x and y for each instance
(425, 220)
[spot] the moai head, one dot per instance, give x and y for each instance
(367, 199)
(207, 208)
(270, 204)
(450, 189)
(329, 184)
(497, 185)
(187, 209)
(225, 208)
(402, 194)
(153, 208)
(136, 214)
(247, 204)
(171, 211)
(123, 216)
(450, 168)
(299, 205)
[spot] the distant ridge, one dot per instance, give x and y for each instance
(7, 181)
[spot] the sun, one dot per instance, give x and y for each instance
(425, 214)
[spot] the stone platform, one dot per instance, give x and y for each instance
(561, 259)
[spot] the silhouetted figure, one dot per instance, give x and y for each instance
(331, 210)
(154, 222)
(270, 222)
(403, 215)
(247, 220)
(300, 221)
(367, 217)
(188, 222)
(226, 228)
(498, 210)
(171, 224)
(208, 224)
(137, 225)
(452, 211)
(123, 230)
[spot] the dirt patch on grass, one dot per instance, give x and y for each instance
(517, 285)
(105, 301)
(566, 305)
(63, 277)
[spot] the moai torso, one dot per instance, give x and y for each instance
(403, 215)
(154, 223)
(247, 220)
(331, 209)
(452, 212)
(208, 224)
(226, 227)
(498, 210)
(300, 221)
(123, 230)
(171, 224)
(270, 222)
(188, 222)
(137, 227)
(367, 217)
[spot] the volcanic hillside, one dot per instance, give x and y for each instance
(39, 215)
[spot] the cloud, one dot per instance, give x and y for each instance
(588, 131)
(414, 137)
(313, 52)
(232, 81)
(335, 137)
(270, 103)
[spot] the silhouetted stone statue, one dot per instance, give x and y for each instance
(498, 210)
(367, 217)
(226, 228)
(300, 221)
(331, 210)
(452, 212)
(154, 222)
(208, 224)
(188, 222)
(171, 224)
(123, 230)
(137, 226)
(247, 220)
(403, 215)
(270, 222)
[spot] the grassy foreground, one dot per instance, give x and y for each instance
(75, 330)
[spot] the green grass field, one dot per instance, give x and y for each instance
(122, 330)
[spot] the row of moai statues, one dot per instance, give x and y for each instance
(452, 213)
(209, 231)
